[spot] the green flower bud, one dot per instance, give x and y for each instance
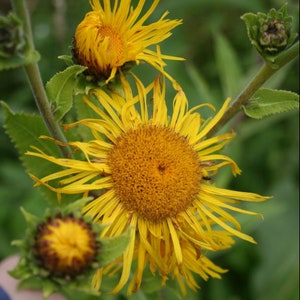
(15, 50)
(270, 33)
(12, 40)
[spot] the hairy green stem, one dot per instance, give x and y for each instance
(37, 86)
(260, 78)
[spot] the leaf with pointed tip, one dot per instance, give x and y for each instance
(266, 102)
(200, 84)
(60, 90)
(228, 66)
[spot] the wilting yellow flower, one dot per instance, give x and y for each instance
(110, 37)
(148, 171)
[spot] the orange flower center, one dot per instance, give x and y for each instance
(156, 172)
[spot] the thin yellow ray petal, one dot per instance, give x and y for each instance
(179, 107)
(118, 220)
(214, 120)
(79, 178)
(141, 20)
(215, 202)
(96, 206)
(189, 126)
(227, 227)
(242, 196)
(160, 112)
(101, 95)
(127, 257)
(143, 230)
(97, 279)
(180, 282)
(136, 281)
(220, 141)
(58, 175)
(175, 241)
(219, 157)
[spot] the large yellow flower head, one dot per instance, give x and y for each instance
(109, 37)
(148, 171)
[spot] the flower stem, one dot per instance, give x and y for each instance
(35, 80)
(266, 71)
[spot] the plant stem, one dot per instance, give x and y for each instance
(260, 78)
(33, 74)
(37, 86)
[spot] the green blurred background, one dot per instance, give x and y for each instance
(219, 61)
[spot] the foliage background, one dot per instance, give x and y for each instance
(219, 61)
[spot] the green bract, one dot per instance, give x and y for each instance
(270, 33)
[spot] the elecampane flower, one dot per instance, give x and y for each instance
(109, 37)
(148, 170)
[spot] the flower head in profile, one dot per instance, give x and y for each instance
(112, 37)
(148, 171)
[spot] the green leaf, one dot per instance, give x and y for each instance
(112, 248)
(30, 218)
(266, 102)
(60, 90)
(200, 84)
(17, 61)
(24, 131)
(83, 111)
(67, 59)
(228, 66)
(286, 275)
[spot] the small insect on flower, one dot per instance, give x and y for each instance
(207, 170)
(206, 178)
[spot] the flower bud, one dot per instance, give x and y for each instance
(65, 246)
(270, 33)
(12, 41)
(274, 31)
(62, 250)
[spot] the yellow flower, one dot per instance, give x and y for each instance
(149, 171)
(66, 246)
(110, 37)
